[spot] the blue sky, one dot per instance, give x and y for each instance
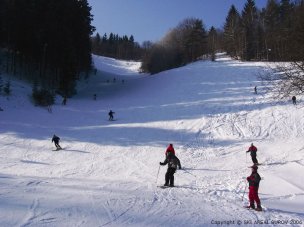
(152, 19)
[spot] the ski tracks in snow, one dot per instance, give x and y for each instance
(35, 217)
(205, 148)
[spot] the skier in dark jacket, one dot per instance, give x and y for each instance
(111, 115)
(64, 101)
(253, 153)
(254, 182)
(170, 148)
(173, 162)
(294, 100)
(56, 139)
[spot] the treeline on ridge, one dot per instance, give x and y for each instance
(50, 42)
(116, 46)
(185, 43)
(274, 33)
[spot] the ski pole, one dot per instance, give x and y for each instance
(186, 171)
(244, 191)
(246, 156)
(157, 174)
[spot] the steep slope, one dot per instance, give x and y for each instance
(107, 173)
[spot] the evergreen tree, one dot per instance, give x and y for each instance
(7, 88)
(117, 47)
(260, 42)
(1, 84)
(297, 34)
(212, 41)
(96, 44)
(195, 42)
(231, 35)
(271, 19)
(47, 41)
(249, 33)
(286, 11)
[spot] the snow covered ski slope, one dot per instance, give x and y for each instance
(106, 175)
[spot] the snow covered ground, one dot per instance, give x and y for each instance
(107, 173)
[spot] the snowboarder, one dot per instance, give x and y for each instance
(111, 115)
(294, 100)
(56, 139)
(173, 162)
(170, 148)
(253, 150)
(255, 90)
(254, 182)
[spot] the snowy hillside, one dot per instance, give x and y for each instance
(107, 173)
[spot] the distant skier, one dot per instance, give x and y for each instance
(170, 149)
(253, 153)
(49, 108)
(173, 162)
(64, 101)
(255, 90)
(94, 96)
(254, 182)
(56, 139)
(294, 100)
(111, 117)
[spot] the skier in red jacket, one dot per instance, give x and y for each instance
(254, 182)
(170, 149)
(253, 153)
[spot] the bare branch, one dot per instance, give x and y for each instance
(284, 80)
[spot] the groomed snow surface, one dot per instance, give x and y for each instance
(107, 173)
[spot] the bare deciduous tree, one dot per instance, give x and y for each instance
(285, 80)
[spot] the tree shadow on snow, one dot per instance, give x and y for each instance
(215, 170)
(202, 96)
(34, 162)
(85, 152)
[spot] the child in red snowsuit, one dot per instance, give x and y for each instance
(170, 149)
(254, 181)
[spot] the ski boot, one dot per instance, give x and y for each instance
(251, 206)
(259, 208)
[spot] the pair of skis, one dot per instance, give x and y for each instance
(163, 186)
(58, 149)
(255, 209)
